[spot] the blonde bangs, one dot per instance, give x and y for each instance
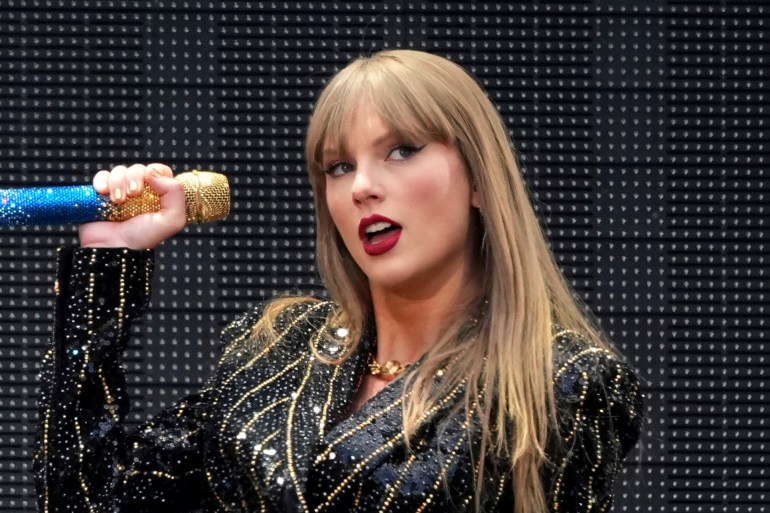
(401, 98)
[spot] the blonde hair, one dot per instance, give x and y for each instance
(509, 369)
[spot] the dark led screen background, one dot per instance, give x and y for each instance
(642, 128)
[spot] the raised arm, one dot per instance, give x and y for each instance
(85, 460)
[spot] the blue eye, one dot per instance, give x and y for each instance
(404, 151)
(339, 169)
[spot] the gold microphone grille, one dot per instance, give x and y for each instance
(207, 196)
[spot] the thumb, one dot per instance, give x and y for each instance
(172, 198)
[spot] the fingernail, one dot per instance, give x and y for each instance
(156, 173)
(118, 194)
(132, 185)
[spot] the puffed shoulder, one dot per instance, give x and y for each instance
(596, 389)
(285, 313)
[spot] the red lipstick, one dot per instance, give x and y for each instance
(382, 241)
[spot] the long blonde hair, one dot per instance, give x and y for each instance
(428, 97)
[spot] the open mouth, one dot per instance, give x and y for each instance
(379, 234)
(380, 231)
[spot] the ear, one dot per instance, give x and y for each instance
(475, 197)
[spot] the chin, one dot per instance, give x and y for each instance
(404, 284)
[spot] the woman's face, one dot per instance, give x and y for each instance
(402, 207)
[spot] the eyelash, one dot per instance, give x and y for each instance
(410, 149)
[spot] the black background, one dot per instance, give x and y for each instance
(642, 128)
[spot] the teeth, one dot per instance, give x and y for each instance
(376, 227)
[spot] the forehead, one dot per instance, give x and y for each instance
(364, 126)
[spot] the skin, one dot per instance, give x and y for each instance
(418, 285)
(141, 232)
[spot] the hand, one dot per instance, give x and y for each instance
(144, 231)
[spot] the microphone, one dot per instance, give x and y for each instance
(207, 198)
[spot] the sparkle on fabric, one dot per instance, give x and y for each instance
(271, 432)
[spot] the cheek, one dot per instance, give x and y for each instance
(444, 201)
(442, 192)
(336, 207)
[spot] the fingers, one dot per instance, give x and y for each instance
(127, 182)
(117, 183)
(140, 231)
(101, 182)
(134, 180)
(161, 168)
(172, 199)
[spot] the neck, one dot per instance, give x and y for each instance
(409, 324)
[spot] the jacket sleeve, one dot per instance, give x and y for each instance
(599, 408)
(85, 461)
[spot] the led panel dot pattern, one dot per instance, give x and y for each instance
(642, 128)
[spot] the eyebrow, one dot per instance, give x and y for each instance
(377, 141)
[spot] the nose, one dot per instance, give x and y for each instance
(366, 186)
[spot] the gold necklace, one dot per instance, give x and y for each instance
(391, 368)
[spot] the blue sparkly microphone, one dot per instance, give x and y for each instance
(207, 198)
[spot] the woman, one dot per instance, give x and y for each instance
(452, 370)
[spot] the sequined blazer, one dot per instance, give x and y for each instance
(270, 432)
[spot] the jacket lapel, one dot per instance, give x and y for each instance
(322, 397)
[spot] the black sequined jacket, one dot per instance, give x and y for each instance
(270, 432)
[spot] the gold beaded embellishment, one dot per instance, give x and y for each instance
(391, 368)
